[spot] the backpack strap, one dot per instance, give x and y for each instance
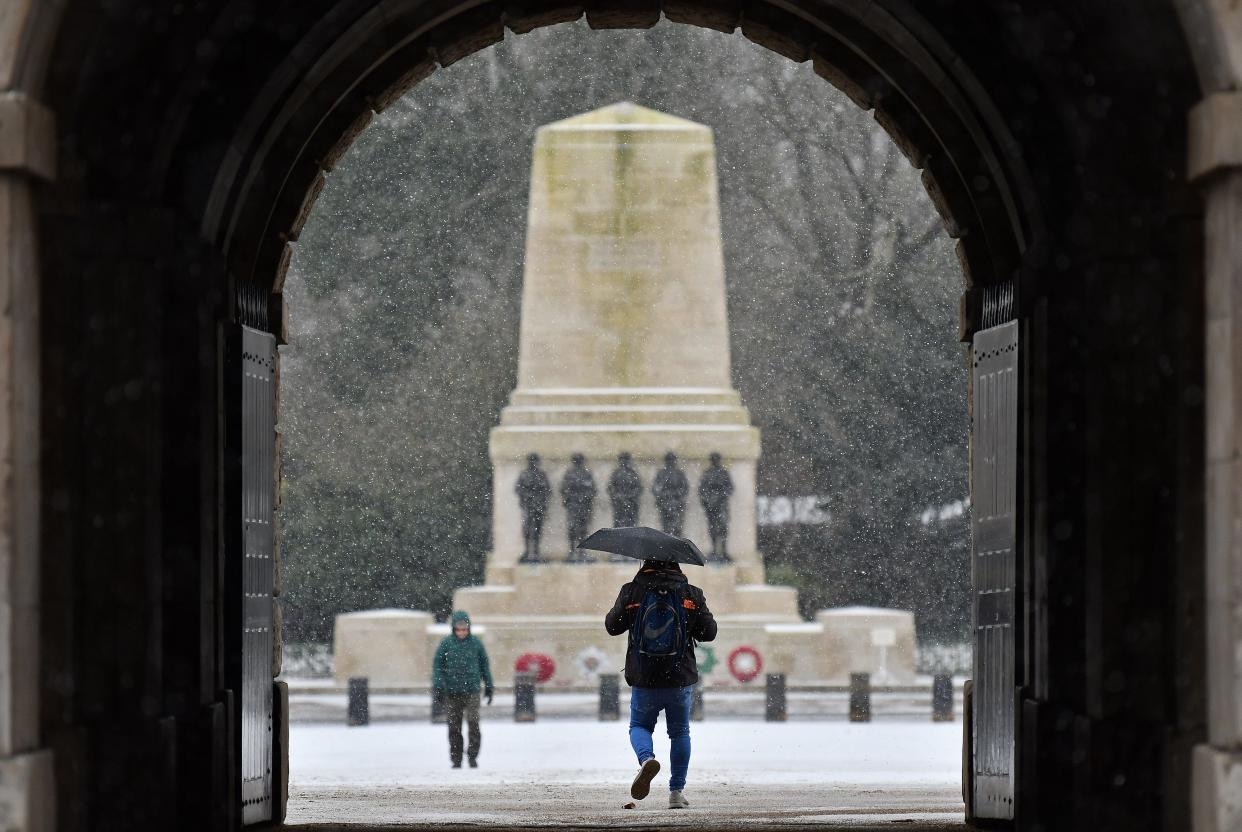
(633, 606)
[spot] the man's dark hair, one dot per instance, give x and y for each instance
(662, 565)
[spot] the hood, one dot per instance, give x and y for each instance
(657, 577)
(459, 615)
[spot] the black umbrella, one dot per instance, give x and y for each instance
(643, 543)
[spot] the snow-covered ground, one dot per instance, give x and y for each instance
(567, 772)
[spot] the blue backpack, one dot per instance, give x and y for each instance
(660, 632)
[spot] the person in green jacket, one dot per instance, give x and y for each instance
(459, 663)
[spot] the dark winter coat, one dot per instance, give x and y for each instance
(701, 624)
(460, 663)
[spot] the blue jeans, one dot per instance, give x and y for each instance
(645, 707)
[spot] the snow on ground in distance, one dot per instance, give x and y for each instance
(576, 773)
(596, 753)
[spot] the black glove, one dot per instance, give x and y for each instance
(487, 694)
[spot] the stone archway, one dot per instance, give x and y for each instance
(974, 189)
(191, 141)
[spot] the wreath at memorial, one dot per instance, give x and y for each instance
(706, 658)
(540, 664)
(590, 661)
(745, 664)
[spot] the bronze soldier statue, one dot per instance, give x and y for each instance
(670, 489)
(715, 488)
(532, 490)
(578, 496)
(625, 486)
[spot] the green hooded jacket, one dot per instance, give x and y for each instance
(460, 663)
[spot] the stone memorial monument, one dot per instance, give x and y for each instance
(624, 356)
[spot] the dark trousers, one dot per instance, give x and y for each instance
(457, 705)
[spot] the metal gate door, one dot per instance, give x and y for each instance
(258, 447)
(994, 452)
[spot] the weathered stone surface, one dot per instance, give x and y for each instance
(280, 750)
(1213, 29)
(389, 647)
(623, 261)
(1217, 797)
(624, 339)
(26, 793)
(383, 645)
(27, 136)
(19, 470)
(1223, 353)
(1215, 135)
(550, 589)
(868, 640)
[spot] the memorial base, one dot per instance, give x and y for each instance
(760, 632)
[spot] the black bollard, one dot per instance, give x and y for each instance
(609, 697)
(774, 701)
(942, 698)
(359, 712)
(860, 697)
(696, 703)
(437, 706)
(524, 697)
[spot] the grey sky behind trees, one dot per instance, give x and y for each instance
(404, 297)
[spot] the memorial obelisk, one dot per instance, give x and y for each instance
(624, 337)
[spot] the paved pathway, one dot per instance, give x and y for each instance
(566, 774)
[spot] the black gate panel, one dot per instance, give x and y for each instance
(258, 448)
(993, 460)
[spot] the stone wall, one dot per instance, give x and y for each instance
(27, 159)
(1215, 164)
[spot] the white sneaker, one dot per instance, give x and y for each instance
(676, 800)
(641, 786)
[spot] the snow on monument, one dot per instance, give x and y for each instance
(624, 350)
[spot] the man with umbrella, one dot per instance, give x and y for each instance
(665, 615)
